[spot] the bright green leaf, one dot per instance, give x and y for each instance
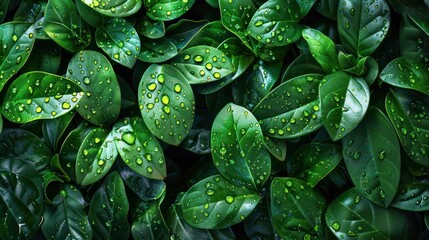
(114, 8)
(157, 50)
(166, 10)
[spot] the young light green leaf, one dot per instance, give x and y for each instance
(405, 73)
(351, 215)
(322, 49)
(109, 209)
(276, 22)
(238, 149)
(372, 156)
(95, 156)
(15, 142)
(149, 221)
(314, 161)
(139, 149)
(344, 100)
(114, 8)
(304, 208)
(166, 10)
(409, 113)
(291, 109)
(214, 203)
(66, 218)
(17, 40)
(157, 50)
(202, 64)
(119, 40)
(64, 25)
(166, 102)
(40, 95)
(101, 102)
(362, 25)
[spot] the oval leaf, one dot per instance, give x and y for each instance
(149, 221)
(114, 8)
(166, 103)
(166, 10)
(157, 50)
(412, 196)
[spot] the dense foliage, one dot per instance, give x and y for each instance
(215, 119)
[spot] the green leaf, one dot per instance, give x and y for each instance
(291, 109)
(114, 8)
(64, 25)
(119, 40)
(94, 74)
(202, 64)
(4, 5)
(21, 199)
(276, 22)
(147, 189)
(215, 203)
(296, 209)
(238, 149)
(258, 224)
(372, 156)
(314, 161)
(344, 100)
(51, 184)
(408, 111)
(95, 156)
(198, 139)
(66, 218)
(32, 12)
(277, 147)
(157, 50)
(411, 196)
(39, 95)
(53, 129)
(327, 8)
(109, 209)
(351, 215)
(139, 149)
(15, 142)
(17, 40)
(148, 222)
(45, 57)
(303, 64)
(322, 49)
(167, 103)
(362, 25)
(167, 10)
(184, 30)
(413, 42)
(408, 74)
(150, 28)
(92, 17)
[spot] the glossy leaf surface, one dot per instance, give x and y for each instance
(114, 8)
(166, 10)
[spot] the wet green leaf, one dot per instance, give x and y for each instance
(296, 209)
(184, 30)
(45, 57)
(150, 28)
(238, 149)
(258, 224)
(119, 40)
(64, 25)
(344, 100)
(100, 104)
(277, 147)
(139, 148)
(327, 8)
(303, 64)
(157, 50)
(40, 95)
(412, 196)
(109, 209)
(148, 222)
(372, 156)
(413, 42)
(53, 129)
(17, 40)
(214, 203)
(362, 25)
(32, 12)
(114, 8)
(92, 17)
(167, 103)
(166, 10)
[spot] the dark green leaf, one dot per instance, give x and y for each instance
(92, 17)
(45, 57)
(66, 218)
(344, 100)
(314, 161)
(157, 50)
(405, 73)
(351, 215)
(109, 209)
(237, 147)
(166, 103)
(184, 30)
(296, 209)
(150, 28)
(4, 5)
(362, 25)
(15, 142)
(412, 196)
(210, 34)
(114, 8)
(409, 113)
(291, 109)
(32, 12)
(148, 222)
(53, 129)
(413, 42)
(277, 147)
(322, 49)
(139, 148)
(303, 64)
(21, 199)
(119, 40)
(215, 203)
(327, 8)
(40, 95)
(95, 156)
(258, 224)
(64, 25)
(51, 184)
(372, 71)
(92, 71)
(17, 40)
(166, 10)
(276, 22)
(198, 139)
(372, 156)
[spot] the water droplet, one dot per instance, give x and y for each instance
(258, 23)
(100, 162)
(129, 138)
(336, 226)
(210, 192)
(198, 58)
(86, 80)
(39, 109)
(149, 169)
(223, 150)
(65, 105)
(161, 78)
(229, 199)
(356, 155)
(382, 155)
